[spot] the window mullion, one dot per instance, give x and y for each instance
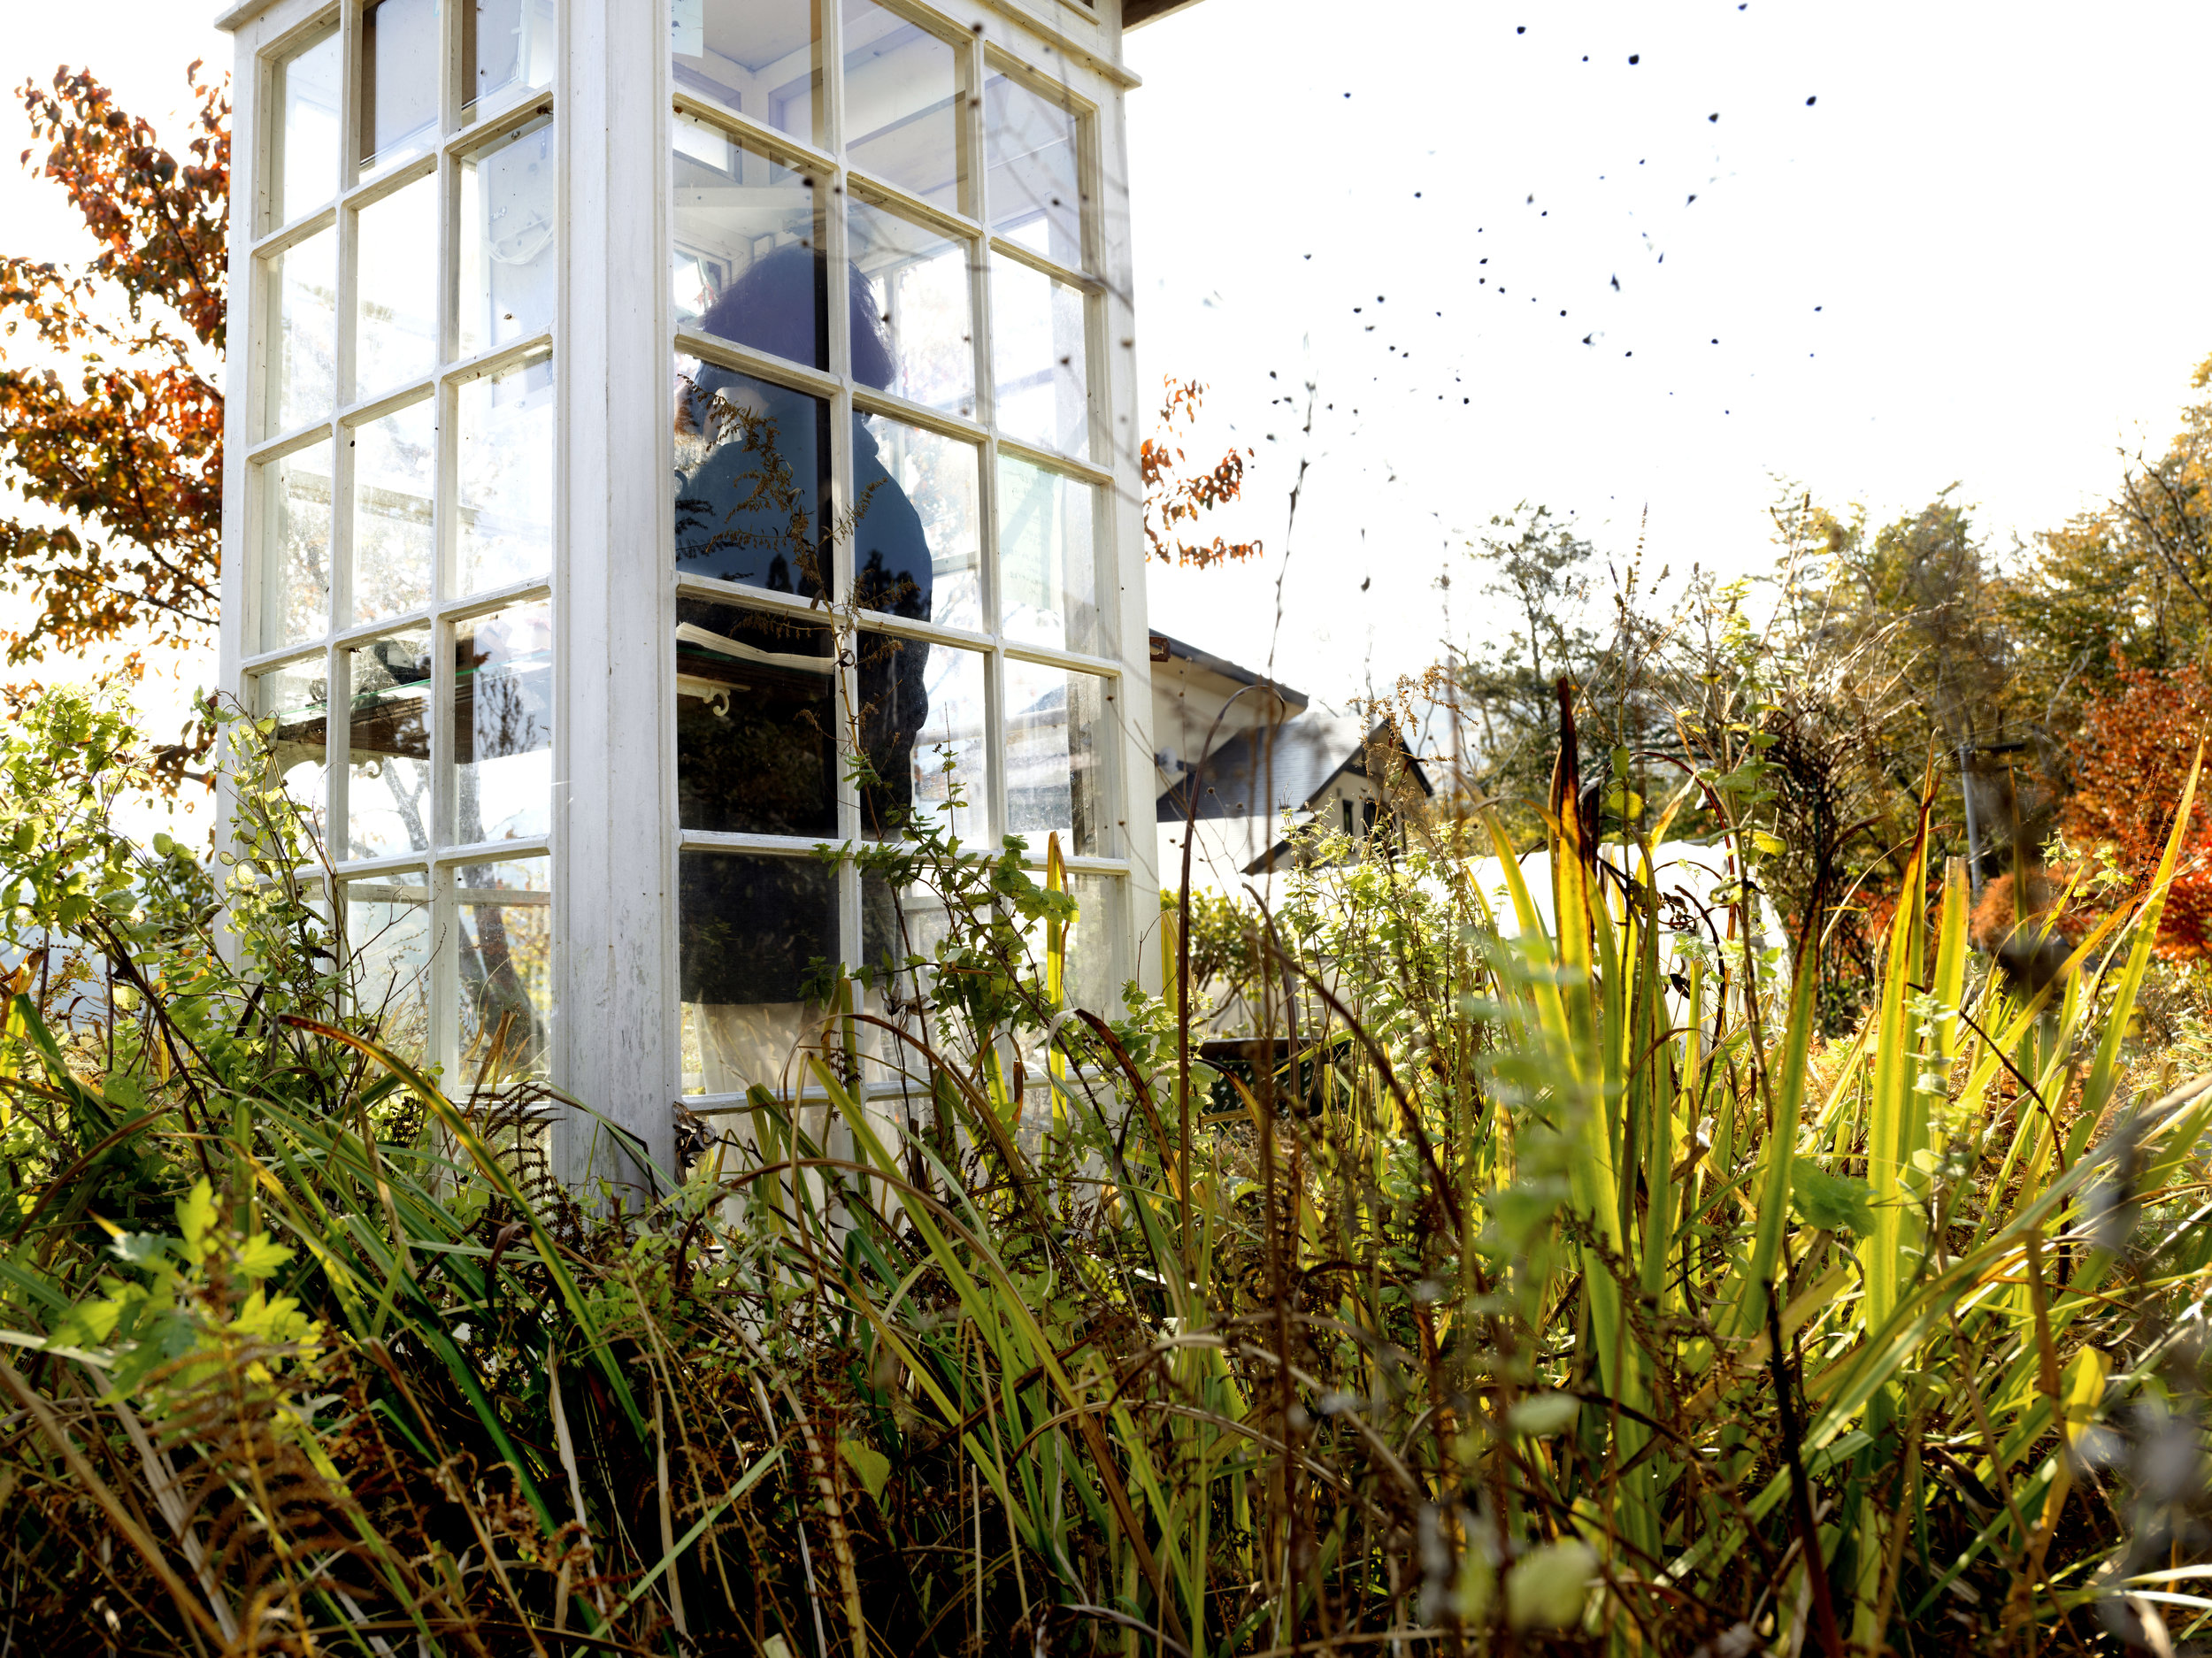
(337, 783)
(350, 34)
(443, 1046)
(830, 222)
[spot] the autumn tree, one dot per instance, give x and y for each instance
(1177, 495)
(2131, 761)
(110, 421)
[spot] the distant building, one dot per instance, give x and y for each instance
(1256, 759)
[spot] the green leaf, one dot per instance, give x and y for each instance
(1541, 1414)
(195, 1215)
(871, 1465)
(146, 1249)
(1833, 1202)
(1548, 1586)
(262, 1256)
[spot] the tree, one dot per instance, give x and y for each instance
(1539, 571)
(2130, 762)
(2127, 586)
(124, 444)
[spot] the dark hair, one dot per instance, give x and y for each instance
(778, 306)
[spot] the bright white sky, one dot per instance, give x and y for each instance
(1981, 257)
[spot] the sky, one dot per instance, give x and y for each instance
(1871, 250)
(1921, 245)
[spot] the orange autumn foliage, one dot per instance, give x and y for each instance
(2130, 764)
(1174, 497)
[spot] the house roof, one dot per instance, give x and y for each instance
(1134, 13)
(1281, 768)
(1166, 647)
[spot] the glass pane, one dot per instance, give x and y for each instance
(387, 951)
(755, 722)
(399, 79)
(505, 504)
(917, 545)
(303, 365)
(752, 471)
(1038, 359)
(1030, 148)
(1047, 573)
(297, 698)
(503, 725)
(395, 460)
(902, 105)
(748, 260)
(1091, 978)
(922, 717)
(296, 548)
(505, 912)
(1055, 741)
(761, 58)
(505, 240)
(304, 146)
(506, 43)
(911, 291)
(395, 316)
(387, 746)
(753, 933)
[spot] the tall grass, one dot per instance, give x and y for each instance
(1557, 1293)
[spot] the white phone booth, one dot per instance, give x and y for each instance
(641, 411)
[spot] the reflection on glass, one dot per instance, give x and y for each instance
(914, 283)
(395, 460)
(761, 58)
(297, 698)
(756, 935)
(399, 79)
(503, 509)
(387, 746)
(1047, 573)
(1038, 360)
(505, 912)
(902, 104)
(388, 959)
(304, 95)
(505, 243)
(296, 548)
(303, 365)
(1030, 148)
(746, 262)
(396, 307)
(755, 722)
(922, 717)
(503, 725)
(752, 471)
(918, 544)
(506, 43)
(1055, 745)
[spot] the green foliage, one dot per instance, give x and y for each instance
(1471, 1343)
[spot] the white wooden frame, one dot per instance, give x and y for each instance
(614, 840)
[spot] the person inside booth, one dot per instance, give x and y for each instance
(758, 704)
